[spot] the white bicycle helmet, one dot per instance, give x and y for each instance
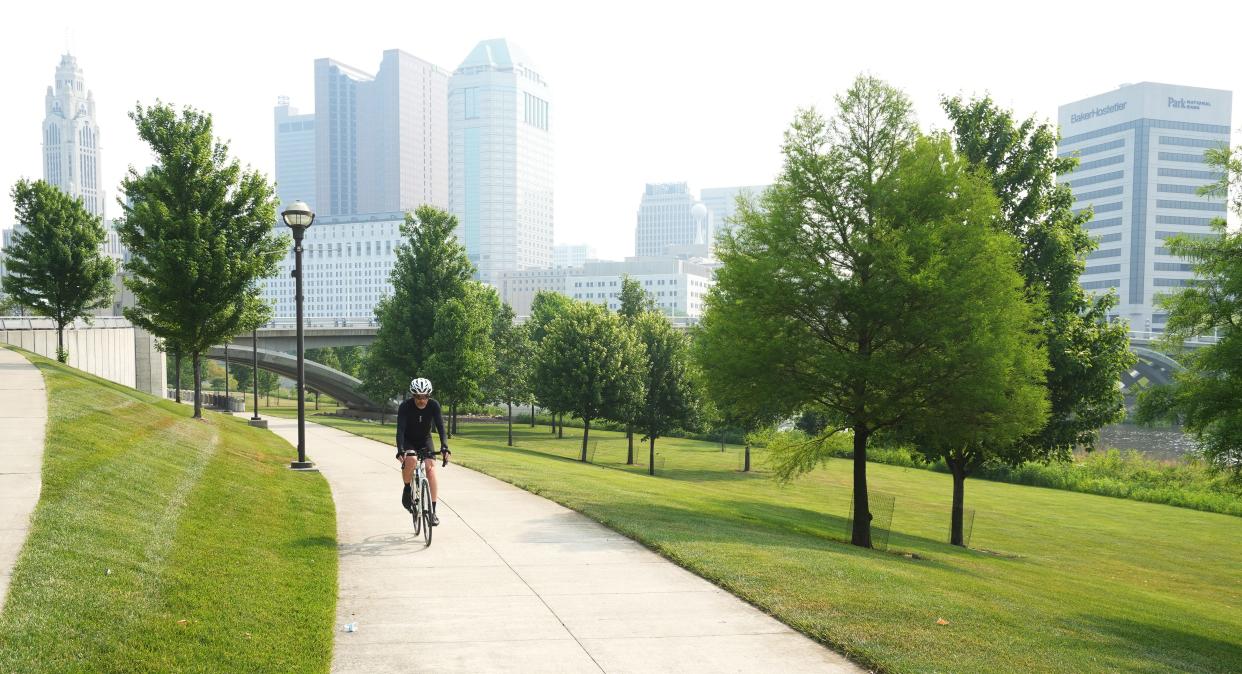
(421, 386)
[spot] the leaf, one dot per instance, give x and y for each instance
(941, 621)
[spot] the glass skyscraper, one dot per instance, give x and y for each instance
(381, 141)
(500, 153)
(1140, 150)
(670, 215)
(295, 155)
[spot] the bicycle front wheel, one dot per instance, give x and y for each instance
(426, 514)
(417, 511)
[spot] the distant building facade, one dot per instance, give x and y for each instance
(500, 127)
(72, 157)
(572, 255)
(381, 141)
(295, 154)
(721, 202)
(1140, 150)
(670, 215)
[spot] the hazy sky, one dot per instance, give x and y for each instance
(642, 91)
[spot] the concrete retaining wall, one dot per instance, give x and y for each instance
(108, 347)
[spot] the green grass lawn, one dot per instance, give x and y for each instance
(1055, 581)
(164, 543)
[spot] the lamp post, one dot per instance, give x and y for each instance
(298, 217)
(228, 409)
(254, 376)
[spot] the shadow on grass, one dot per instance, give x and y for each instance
(315, 542)
(1164, 648)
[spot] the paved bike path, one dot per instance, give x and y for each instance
(23, 421)
(515, 582)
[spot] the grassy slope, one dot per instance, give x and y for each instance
(1069, 583)
(198, 521)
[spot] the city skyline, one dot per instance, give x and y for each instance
(641, 102)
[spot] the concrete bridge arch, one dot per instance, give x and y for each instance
(341, 386)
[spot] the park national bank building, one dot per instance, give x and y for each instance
(1140, 150)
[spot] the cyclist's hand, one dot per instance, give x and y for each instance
(444, 452)
(399, 456)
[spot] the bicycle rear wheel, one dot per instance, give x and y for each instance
(426, 499)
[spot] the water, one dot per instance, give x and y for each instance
(1154, 443)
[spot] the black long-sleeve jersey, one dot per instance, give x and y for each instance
(414, 425)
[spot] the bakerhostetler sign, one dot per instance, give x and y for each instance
(1100, 112)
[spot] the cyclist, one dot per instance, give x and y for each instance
(415, 419)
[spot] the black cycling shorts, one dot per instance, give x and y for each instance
(424, 450)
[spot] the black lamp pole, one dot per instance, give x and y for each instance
(254, 375)
(298, 217)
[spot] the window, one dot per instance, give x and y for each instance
(471, 100)
(1191, 205)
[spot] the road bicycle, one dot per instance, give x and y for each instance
(421, 510)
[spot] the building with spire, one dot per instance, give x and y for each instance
(71, 149)
(500, 154)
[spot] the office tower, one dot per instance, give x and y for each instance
(721, 202)
(71, 150)
(669, 215)
(295, 154)
(501, 156)
(381, 141)
(1140, 149)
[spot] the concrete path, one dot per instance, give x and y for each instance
(23, 418)
(514, 582)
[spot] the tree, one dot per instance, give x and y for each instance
(325, 356)
(545, 308)
(669, 398)
(431, 269)
(54, 266)
(832, 290)
(350, 358)
(510, 381)
(199, 231)
(634, 300)
(1204, 397)
(268, 382)
(591, 366)
(1087, 352)
(460, 357)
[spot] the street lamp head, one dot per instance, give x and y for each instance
(298, 216)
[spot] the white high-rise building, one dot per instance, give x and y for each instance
(295, 154)
(501, 157)
(381, 141)
(1140, 149)
(721, 202)
(572, 254)
(346, 262)
(670, 216)
(71, 150)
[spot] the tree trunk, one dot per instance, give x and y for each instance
(177, 376)
(510, 423)
(532, 415)
(61, 355)
(651, 455)
(861, 534)
(560, 428)
(586, 429)
(746, 468)
(722, 439)
(629, 436)
(316, 401)
(959, 497)
(198, 386)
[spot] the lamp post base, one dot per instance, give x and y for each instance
(259, 423)
(308, 466)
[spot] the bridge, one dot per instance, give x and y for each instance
(279, 338)
(1154, 366)
(346, 389)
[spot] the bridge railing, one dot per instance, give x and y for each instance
(290, 324)
(1198, 340)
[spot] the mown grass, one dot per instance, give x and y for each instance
(162, 543)
(1055, 581)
